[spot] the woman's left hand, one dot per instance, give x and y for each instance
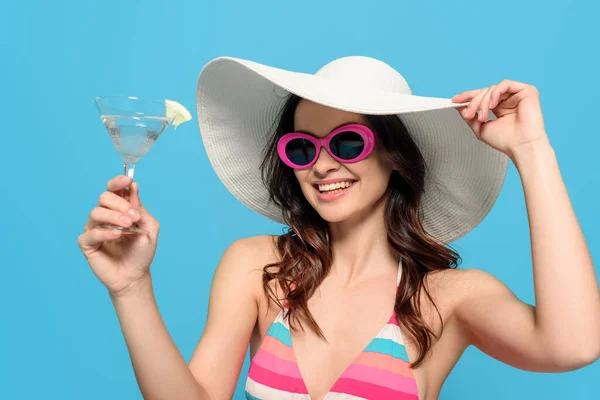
(518, 111)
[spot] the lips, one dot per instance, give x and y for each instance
(334, 190)
(328, 187)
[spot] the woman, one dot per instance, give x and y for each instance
(374, 184)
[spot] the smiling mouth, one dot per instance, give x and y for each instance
(334, 187)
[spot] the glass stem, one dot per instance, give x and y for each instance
(129, 169)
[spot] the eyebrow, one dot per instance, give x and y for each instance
(339, 126)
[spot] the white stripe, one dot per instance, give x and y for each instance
(342, 396)
(268, 393)
(391, 332)
(279, 318)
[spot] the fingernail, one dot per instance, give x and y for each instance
(126, 220)
(134, 214)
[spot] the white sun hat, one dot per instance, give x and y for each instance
(238, 102)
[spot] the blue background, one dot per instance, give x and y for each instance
(59, 336)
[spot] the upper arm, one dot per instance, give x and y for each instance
(232, 314)
(501, 325)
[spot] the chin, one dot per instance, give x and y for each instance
(342, 211)
(333, 216)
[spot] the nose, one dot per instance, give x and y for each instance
(325, 163)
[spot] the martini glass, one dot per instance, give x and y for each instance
(134, 124)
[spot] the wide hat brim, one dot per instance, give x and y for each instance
(238, 102)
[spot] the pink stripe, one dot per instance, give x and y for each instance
(393, 320)
(381, 377)
(385, 362)
(274, 346)
(370, 391)
(276, 381)
(272, 363)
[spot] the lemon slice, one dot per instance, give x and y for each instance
(178, 112)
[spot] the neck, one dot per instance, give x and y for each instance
(360, 248)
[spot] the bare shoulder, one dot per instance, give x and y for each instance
(464, 279)
(454, 287)
(245, 258)
(261, 248)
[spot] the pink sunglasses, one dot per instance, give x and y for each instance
(347, 144)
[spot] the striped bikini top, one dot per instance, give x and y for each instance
(380, 371)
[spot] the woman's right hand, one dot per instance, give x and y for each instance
(119, 260)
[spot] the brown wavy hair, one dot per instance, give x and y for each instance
(305, 251)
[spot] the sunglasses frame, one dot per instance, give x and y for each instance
(365, 132)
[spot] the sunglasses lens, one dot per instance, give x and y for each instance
(347, 145)
(300, 151)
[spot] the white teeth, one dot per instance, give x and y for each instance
(335, 186)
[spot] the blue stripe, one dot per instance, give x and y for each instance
(280, 332)
(250, 397)
(377, 345)
(389, 347)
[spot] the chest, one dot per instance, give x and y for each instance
(349, 322)
(362, 348)
(349, 329)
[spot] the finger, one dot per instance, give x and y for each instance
(469, 112)
(505, 89)
(134, 195)
(498, 94)
(117, 203)
(485, 104)
(91, 239)
(118, 183)
(146, 221)
(498, 98)
(104, 216)
(475, 126)
(465, 96)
